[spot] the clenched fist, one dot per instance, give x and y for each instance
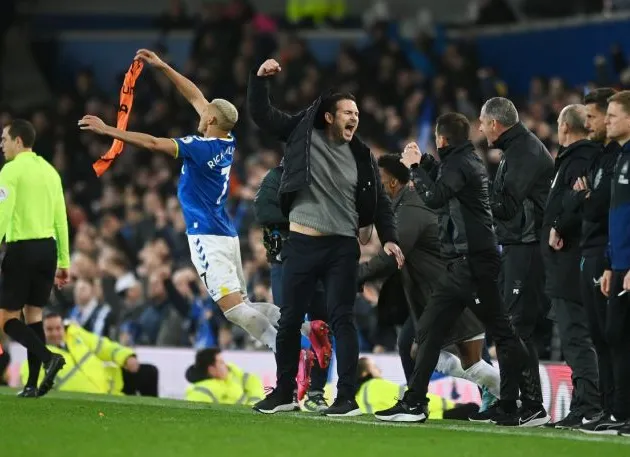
(269, 68)
(411, 155)
(150, 57)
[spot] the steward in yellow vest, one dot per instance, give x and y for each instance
(378, 394)
(215, 381)
(93, 364)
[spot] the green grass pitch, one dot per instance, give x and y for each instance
(67, 425)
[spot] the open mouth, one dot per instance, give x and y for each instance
(350, 128)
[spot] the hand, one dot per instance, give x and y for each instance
(150, 57)
(269, 68)
(393, 249)
(626, 281)
(411, 155)
(555, 241)
(132, 365)
(580, 184)
(414, 350)
(93, 123)
(62, 277)
(605, 282)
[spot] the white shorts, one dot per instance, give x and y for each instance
(218, 263)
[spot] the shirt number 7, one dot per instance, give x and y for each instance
(224, 172)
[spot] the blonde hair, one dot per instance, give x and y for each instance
(226, 112)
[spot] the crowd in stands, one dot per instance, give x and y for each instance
(132, 277)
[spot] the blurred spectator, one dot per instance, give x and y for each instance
(88, 312)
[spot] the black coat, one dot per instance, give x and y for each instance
(372, 203)
(563, 267)
(520, 186)
(458, 189)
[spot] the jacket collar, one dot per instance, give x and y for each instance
(565, 151)
(448, 151)
(507, 137)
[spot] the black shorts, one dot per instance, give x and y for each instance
(28, 273)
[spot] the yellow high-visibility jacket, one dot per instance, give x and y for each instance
(239, 388)
(93, 364)
(379, 394)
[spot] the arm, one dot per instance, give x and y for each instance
(598, 205)
(384, 222)
(179, 302)
(140, 140)
(7, 199)
(104, 348)
(61, 230)
(266, 116)
(437, 194)
(183, 85)
(569, 221)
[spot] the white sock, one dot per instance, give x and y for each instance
(306, 329)
(254, 322)
(271, 311)
(484, 374)
(450, 364)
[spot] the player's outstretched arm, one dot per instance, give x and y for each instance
(140, 140)
(184, 85)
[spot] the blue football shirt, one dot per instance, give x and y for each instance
(204, 182)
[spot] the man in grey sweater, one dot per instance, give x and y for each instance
(330, 187)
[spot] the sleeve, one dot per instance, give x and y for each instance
(569, 220)
(437, 193)
(7, 199)
(185, 147)
(205, 392)
(267, 203)
(265, 115)
(598, 205)
(104, 348)
(61, 228)
(517, 185)
(385, 222)
(254, 389)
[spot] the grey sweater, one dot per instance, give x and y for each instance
(328, 205)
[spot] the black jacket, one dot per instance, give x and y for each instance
(407, 292)
(520, 187)
(458, 188)
(595, 208)
(563, 267)
(275, 225)
(418, 237)
(373, 205)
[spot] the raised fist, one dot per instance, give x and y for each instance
(269, 68)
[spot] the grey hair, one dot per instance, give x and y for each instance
(501, 110)
(575, 118)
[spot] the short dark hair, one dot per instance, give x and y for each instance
(454, 127)
(391, 164)
(599, 97)
(329, 104)
(20, 128)
(206, 358)
(49, 314)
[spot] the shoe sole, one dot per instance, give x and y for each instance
(602, 432)
(403, 418)
(280, 409)
(49, 380)
(322, 336)
(529, 424)
(353, 413)
(305, 384)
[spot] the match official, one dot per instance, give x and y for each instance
(33, 218)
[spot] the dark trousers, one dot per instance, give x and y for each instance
(578, 351)
(472, 281)
(618, 335)
(523, 281)
(144, 382)
(316, 311)
(405, 341)
(595, 306)
(334, 261)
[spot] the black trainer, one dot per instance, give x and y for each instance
(28, 392)
(343, 408)
(573, 420)
(625, 430)
(533, 415)
(606, 424)
(276, 402)
(488, 416)
(53, 367)
(403, 411)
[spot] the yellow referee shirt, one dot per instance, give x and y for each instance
(32, 204)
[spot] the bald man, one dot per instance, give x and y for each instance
(560, 243)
